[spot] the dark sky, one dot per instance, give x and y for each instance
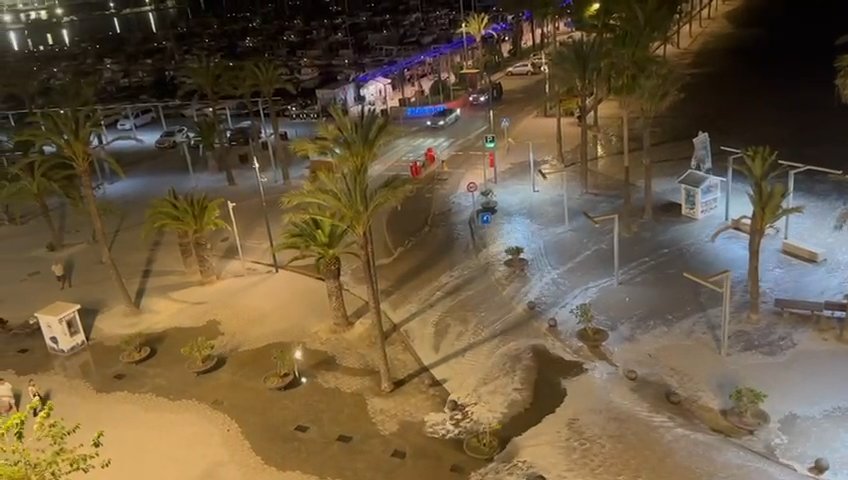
(770, 81)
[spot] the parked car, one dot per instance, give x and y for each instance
(243, 133)
(110, 117)
(136, 118)
(522, 68)
(172, 136)
(443, 118)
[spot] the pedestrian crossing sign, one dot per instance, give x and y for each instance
(489, 141)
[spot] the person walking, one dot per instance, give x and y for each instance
(35, 396)
(7, 396)
(59, 270)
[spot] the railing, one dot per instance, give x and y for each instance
(675, 33)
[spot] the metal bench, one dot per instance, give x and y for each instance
(785, 304)
(837, 307)
(804, 252)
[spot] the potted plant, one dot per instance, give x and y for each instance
(200, 356)
(283, 372)
(514, 259)
(483, 444)
(746, 412)
(133, 349)
(488, 204)
(590, 334)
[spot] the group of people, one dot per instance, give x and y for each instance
(8, 404)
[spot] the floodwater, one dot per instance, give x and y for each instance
(769, 81)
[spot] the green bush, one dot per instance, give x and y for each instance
(514, 251)
(198, 349)
(747, 399)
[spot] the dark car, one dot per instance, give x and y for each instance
(243, 134)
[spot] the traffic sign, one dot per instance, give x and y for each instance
(505, 122)
(485, 218)
(489, 141)
(471, 187)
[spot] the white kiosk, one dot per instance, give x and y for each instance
(699, 193)
(60, 324)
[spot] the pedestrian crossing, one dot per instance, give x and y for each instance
(406, 150)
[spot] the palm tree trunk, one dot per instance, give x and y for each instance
(44, 211)
(367, 248)
(100, 235)
(625, 136)
(649, 171)
(584, 145)
(560, 153)
(220, 157)
(211, 164)
(755, 238)
(332, 271)
(282, 160)
(533, 31)
(186, 252)
(203, 254)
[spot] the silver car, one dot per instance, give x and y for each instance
(443, 118)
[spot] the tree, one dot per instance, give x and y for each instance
(208, 131)
(761, 167)
(578, 65)
(44, 451)
(349, 197)
(70, 133)
(657, 88)
(192, 217)
(477, 24)
(841, 80)
(161, 213)
(208, 78)
(324, 241)
(266, 77)
(36, 180)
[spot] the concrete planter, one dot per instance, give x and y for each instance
(594, 338)
(203, 366)
(751, 422)
(481, 446)
(136, 356)
(276, 381)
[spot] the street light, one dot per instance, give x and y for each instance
(564, 173)
(615, 230)
(230, 206)
(298, 356)
(790, 187)
(464, 44)
(723, 288)
(736, 154)
(532, 169)
(265, 213)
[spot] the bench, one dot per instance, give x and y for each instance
(802, 251)
(741, 224)
(785, 304)
(837, 307)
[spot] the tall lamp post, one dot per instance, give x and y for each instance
(790, 187)
(564, 173)
(720, 282)
(265, 213)
(615, 235)
(736, 153)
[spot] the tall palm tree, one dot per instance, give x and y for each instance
(267, 77)
(194, 217)
(70, 133)
(478, 25)
(208, 130)
(349, 197)
(208, 78)
(761, 167)
(325, 242)
(37, 180)
(579, 65)
(658, 87)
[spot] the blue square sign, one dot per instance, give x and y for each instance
(485, 218)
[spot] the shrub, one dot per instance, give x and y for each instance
(514, 251)
(198, 349)
(585, 317)
(283, 360)
(747, 399)
(132, 342)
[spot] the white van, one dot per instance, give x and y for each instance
(136, 119)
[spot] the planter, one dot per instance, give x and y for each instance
(275, 381)
(594, 339)
(136, 356)
(481, 446)
(518, 263)
(490, 206)
(750, 423)
(200, 368)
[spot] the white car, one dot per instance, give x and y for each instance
(443, 118)
(136, 118)
(171, 137)
(523, 68)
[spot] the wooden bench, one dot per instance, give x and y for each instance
(837, 307)
(812, 307)
(801, 251)
(741, 224)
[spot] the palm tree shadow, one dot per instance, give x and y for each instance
(147, 271)
(112, 240)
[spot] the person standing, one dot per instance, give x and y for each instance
(59, 271)
(35, 396)
(7, 396)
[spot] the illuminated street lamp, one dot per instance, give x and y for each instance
(723, 287)
(298, 356)
(564, 173)
(615, 230)
(265, 213)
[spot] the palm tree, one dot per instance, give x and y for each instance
(208, 78)
(324, 241)
(267, 77)
(579, 66)
(841, 80)
(657, 88)
(761, 166)
(208, 132)
(192, 217)
(37, 180)
(70, 133)
(477, 24)
(349, 197)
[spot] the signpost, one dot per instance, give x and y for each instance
(489, 141)
(471, 187)
(485, 218)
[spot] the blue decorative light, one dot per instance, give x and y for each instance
(423, 111)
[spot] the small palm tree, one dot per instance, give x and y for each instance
(37, 180)
(70, 133)
(324, 241)
(161, 214)
(208, 78)
(267, 77)
(194, 217)
(477, 25)
(351, 198)
(761, 166)
(579, 65)
(657, 88)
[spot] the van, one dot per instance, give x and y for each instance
(136, 118)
